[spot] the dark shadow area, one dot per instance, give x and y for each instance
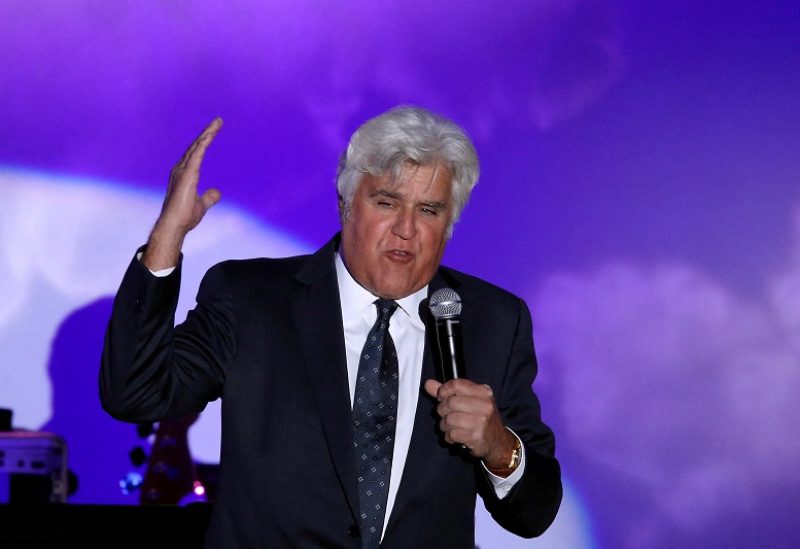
(98, 445)
(56, 526)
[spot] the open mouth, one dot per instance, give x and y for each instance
(400, 255)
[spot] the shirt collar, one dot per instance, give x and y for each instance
(355, 298)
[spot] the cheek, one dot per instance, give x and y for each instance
(370, 225)
(433, 248)
(434, 237)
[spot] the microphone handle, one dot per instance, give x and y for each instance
(448, 338)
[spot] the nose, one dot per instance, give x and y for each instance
(405, 224)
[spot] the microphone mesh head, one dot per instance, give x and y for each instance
(445, 303)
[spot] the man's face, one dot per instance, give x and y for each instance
(395, 234)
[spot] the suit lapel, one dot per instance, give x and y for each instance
(318, 320)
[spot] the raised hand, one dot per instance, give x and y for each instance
(183, 207)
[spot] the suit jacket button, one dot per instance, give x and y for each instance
(353, 531)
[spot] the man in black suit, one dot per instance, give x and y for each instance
(335, 432)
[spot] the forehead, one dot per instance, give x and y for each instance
(430, 181)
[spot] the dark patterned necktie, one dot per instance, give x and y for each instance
(374, 417)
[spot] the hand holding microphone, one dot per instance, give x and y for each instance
(469, 415)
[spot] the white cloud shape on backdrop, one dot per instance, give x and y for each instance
(66, 242)
(669, 376)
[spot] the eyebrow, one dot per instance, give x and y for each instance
(387, 194)
(435, 204)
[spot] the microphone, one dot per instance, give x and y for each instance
(445, 306)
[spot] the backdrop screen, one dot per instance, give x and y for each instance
(640, 189)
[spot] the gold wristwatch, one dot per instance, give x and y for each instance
(516, 457)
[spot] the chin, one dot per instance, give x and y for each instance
(390, 295)
(393, 292)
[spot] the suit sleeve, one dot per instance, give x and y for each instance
(151, 370)
(533, 502)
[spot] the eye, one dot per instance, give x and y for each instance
(426, 210)
(385, 204)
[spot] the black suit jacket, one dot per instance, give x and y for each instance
(266, 336)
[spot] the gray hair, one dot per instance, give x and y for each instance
(405, 135)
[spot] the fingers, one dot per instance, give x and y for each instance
(186, 173)
(465, 388)
(464, 423)
(201, 143)
(469, 429)
(197, 151)
(461, 395)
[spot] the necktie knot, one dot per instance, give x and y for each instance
(386, 309)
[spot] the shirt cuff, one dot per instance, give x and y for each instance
(161, 273)
(502, 486)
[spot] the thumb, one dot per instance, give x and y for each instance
(210, 197)
(432, 387)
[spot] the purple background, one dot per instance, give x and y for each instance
(640, 170)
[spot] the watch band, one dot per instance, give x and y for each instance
(516, 457)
